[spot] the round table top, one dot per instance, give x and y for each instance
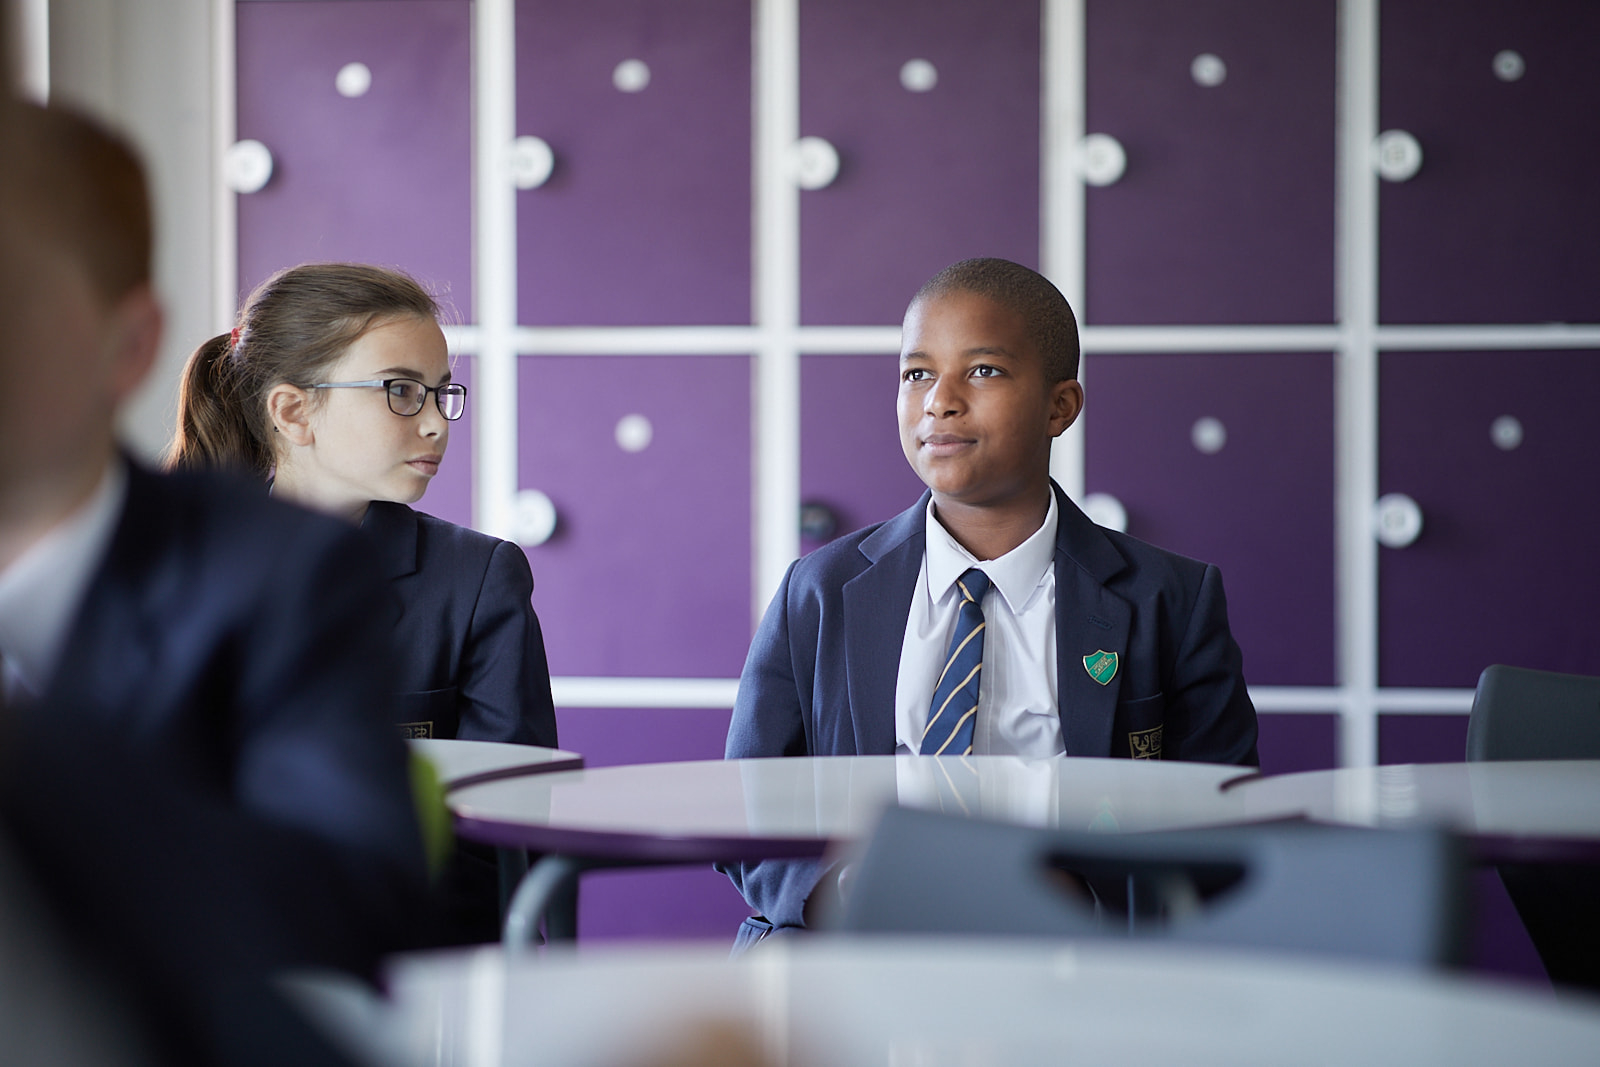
(463, 763)
(824, 1001)
(733, 810)
(1545, 809)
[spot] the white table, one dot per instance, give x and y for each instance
(462, 763)
(1545, 810)
(733, 810)
(820, 1001)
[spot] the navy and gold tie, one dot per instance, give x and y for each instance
(954, 710)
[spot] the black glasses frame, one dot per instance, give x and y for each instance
(440, 392)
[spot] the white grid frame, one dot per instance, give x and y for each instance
(776, 340)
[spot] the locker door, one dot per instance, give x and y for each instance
(1499, 224)
(933, 109)
(366, 108)
(645, 219)
(1224, 112)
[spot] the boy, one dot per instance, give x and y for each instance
(232, 646)
(993, 616)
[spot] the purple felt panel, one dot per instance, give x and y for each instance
(1260, 508)
(1294, 742)
(611, 737)
(1422, 738)
(925, 178)
(648, 572)
(449, 495)
(675, 903)
(646, 217)
(1505, 570)
(385, 177)
(1225, 213)
(1499, 225)
(850, 458)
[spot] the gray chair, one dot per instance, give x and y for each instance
(1378, 895)
(1521, 714)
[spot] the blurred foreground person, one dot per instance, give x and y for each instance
(224, 650)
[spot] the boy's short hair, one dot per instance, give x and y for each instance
(1045, 312)
(84, 191)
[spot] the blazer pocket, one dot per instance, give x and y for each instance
(1139, 725)
(426, 712)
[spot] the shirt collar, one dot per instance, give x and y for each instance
(1016, 574)
(41, 590)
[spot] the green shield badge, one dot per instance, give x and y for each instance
(1101, 665)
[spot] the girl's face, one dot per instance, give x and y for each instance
(360, 450)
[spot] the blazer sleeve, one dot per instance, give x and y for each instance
(504, 690)
(768, 720)
(314, 748)
(1209, 715)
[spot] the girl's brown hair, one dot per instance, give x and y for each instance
(295, 325)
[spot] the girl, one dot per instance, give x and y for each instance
(335, 389)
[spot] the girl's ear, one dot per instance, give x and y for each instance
(289, 412)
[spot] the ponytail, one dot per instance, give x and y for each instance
(214, 428)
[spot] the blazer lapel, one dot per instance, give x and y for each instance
(393, 527)
(1091, 622)
(876, 604)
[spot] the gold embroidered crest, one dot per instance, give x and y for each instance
(1145, 744)
(409, 730)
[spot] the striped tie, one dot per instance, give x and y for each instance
(954, 710)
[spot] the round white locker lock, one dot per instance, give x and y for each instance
(1208, 70)
(1509, 65)
(247, 166)
(353, 80)
(1506, 433)
(1396, 520)
(1101, 160)
(1208, 435)
(533, 518)
(814, 163)
(631, 76)
(531, 161)
(1106, 510)
(918, 76)
(634, 433)
(1396, 156)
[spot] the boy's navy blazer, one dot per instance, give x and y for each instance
(241, 645)
(821, 674)
(472, 660)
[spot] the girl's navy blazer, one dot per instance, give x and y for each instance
(471, 654)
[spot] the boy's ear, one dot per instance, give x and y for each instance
(134, 340)
(289, 410)
(1066, 403)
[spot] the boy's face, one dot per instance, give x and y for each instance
(977, 414)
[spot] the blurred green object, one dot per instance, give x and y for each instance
(433, 817)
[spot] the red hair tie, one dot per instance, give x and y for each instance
(233, 338)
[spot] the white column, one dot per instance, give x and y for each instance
(1061, 252)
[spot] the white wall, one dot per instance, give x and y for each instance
(146, 67)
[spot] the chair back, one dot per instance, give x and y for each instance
(1340, 891)
(1521, 714)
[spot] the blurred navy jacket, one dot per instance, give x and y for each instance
(472, 662)
(243, 645)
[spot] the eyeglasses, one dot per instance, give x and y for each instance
(407, 395)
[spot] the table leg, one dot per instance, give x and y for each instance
(552, 881)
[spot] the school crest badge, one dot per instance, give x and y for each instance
(1101, 665)
(409, 730)
(1145, 744)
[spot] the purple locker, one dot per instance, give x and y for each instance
(383, 176)
(1501, 452)
(926, 177)
(1422, 738)
(648, 572)
(1225, 211)
(646, 218)
(449, 495)
(1229, 458)
(1499, 224)
(850, 458)
(1297, 741)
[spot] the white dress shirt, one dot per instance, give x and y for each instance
(1017, 687)
(41, 590)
